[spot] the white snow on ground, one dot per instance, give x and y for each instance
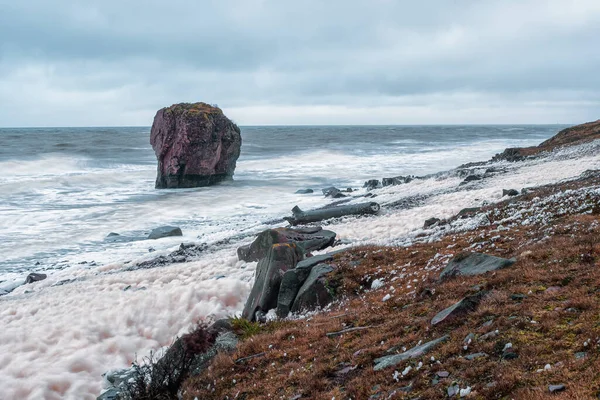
(56, 341)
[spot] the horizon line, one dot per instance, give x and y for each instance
(292, 125)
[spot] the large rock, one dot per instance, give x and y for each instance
(269, 273)
(35, 277)
(293, 280)
(309, 239)
(468, 264)
(195, 144)
(315, 291)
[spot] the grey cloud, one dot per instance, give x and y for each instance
(128, 58)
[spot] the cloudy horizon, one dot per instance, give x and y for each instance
(300, 63)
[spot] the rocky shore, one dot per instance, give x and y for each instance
(497, 300)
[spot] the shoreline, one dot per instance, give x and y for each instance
(204, 286)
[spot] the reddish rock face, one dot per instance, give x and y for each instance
(195, 144)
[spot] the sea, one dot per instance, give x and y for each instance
(63, 190)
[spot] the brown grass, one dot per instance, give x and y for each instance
(558, 274)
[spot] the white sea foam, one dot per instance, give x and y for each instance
(56, 341)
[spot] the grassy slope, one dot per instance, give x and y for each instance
(557, 270)
(554, 233)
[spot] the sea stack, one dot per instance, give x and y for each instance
(195, 145)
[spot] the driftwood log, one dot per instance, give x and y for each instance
(305, 217)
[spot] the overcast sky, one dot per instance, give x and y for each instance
(115, 62)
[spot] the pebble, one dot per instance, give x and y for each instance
(556, 388)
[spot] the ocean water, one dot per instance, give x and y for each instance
(63, 190)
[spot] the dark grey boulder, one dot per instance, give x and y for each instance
(510, 192)
(458, 309)
(165, 231)
(372, 184)
(293, 280)
(468, 264)
(398, 180)
(35, 277)
(415, 352)
(308, 239)
(430, 222)
(304, 191)
(269, 273)
(468, 212)
(315, 291)
(112, 234)
(472, 178)
(333, 192)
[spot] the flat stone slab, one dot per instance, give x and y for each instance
(415, 352)
(469, 264)
(458, 309)
(165, 231)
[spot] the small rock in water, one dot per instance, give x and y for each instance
(509, 192)
(165, 231)
(304, 191)
(430, 222)
(112, 234)
(372, 184)
(35, 277)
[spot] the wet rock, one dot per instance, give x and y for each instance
(458, 309)
(337, 211)
(195, 145)
(316, 291)
(468, 212)
(333, 192)
(471, 178)
(304, 191)
(509, 354)
(309, 240)
(269, 273)
(510, 192)
(293, 280)
(35, 277)
(556, 388)
(165, 231)
(372, 184)
(110, 394)
(112, 234)
(431, 222)
(415, 352)
(398, 180)
(469, 264)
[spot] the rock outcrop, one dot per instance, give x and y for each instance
(308, 239)
(195, 144)
(567, 137)
(469, 264)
